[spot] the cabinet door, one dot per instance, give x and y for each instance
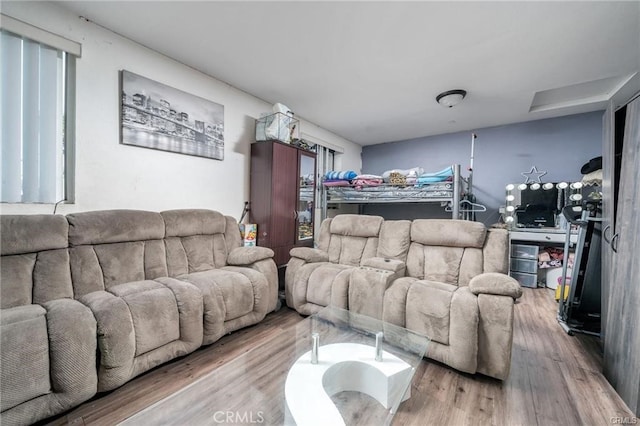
(284, 186)
(306, 198)
(622, 334)
(608, 218)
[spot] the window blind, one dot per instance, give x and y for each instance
(33, 120)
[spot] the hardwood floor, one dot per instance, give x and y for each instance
(555, 378)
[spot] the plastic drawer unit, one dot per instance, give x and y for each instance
(523, 264)
(524, 251)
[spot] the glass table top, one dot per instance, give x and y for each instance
(347, 380)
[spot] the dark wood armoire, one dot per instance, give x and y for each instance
(282, 196)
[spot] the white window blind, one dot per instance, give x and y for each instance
(33, 86)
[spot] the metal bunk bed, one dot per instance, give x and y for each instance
(449, 194)
(456, 196)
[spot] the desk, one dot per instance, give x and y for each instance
(542, 235)
(523, 262)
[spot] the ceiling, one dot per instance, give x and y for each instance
(370, 71)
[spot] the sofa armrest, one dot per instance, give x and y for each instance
(391, 265)
(72, 348)
(495, 283)
(310, 255)
(116, 338)
(242, 256)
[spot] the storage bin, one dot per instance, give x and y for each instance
(554, 277)
(278, 126)
(524, 251)
(526, 280)
(529, 266)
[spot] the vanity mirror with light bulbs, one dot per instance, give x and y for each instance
(539, 205)
(533, 215)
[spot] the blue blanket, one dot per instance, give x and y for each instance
(345, 175)
(440, 176)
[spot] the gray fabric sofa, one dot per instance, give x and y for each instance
(114, 294)
(441, 278)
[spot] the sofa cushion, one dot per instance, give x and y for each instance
(356, 225)
(233, 289)
(323, 278)
(114, 226)
(35, 260)
(195, 253)
(347, 250)
(32, 233)
(394, 239)
(25, 355)
(101, 266)
(115, 247)
(428, 309)
(16, 280)
(448, 233)
(154, 311)
(35, 278)
(434, 263)
(188, 222)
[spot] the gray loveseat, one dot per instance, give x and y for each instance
(93, 299)
(442, 278)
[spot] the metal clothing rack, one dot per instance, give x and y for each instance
(468, 204)
(580, 311)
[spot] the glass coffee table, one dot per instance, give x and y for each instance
(334, 367)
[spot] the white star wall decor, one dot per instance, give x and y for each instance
(533, 175)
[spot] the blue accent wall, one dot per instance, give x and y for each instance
(559, 146)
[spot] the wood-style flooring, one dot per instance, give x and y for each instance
(555, 379)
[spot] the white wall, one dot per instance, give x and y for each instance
(110, 175)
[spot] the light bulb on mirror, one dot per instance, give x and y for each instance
(508, 219)
(562, 185)
(576, 185)
(511, 197)
(510, 187)
(510, 208)
(535, 186)
(522, 186)
(547, 186)
(575, 197)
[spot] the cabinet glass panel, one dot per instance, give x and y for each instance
(306, 195)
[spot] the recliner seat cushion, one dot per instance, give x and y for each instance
(230, 292)
(322, 279)
(428, 309)
(154, 311)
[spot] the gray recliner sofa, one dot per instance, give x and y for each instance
(318, 277)
(119, 268)
(108, 295)
(445, 279)
(48, 339)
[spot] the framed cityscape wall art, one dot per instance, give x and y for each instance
(153, 115)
